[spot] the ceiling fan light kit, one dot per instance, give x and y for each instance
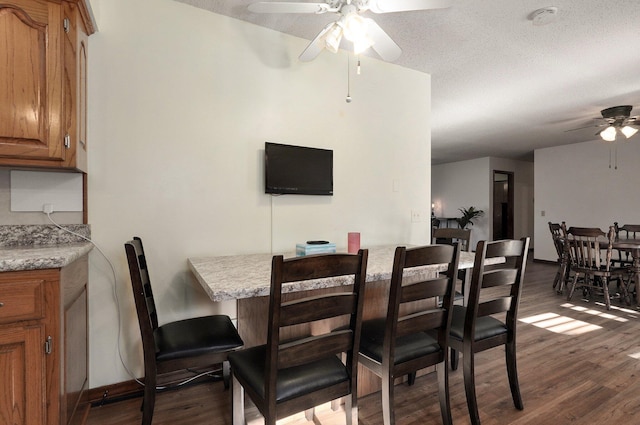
(362, 32)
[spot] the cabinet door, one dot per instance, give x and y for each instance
(31, 81)
(75, 87)
(22, 387)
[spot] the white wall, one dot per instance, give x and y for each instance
(574, 183)
(181, 102)
(470, 183)
(461, 185)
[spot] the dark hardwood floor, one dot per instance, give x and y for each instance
(578, 364)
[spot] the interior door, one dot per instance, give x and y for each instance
(502, 205)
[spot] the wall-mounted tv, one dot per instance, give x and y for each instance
(297, 170)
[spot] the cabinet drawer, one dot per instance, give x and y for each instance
(22, 300)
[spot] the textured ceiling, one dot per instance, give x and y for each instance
(500, 85)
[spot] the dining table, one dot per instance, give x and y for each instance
(246, 279)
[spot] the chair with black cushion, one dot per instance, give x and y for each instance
(413, 336)
(590, 251)
(490, 317)
(297, 372)
(562, 275)
(449, 236)
(200, 342)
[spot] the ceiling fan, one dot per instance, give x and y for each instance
(362, 32)
(615, 121)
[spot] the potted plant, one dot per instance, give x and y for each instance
(468, 215)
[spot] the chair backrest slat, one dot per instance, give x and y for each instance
(494, 306)
(424, 289)
(314, 348)
(421, 321)
(317, 308)
(500, 277)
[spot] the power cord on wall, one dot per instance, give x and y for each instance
(48, 210)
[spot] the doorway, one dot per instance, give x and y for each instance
(502, 205)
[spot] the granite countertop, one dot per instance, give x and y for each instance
(34, 247)
(247, 276)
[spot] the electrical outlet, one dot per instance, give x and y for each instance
(417, 216)
(47, 208)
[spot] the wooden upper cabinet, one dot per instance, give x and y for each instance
(43, 83)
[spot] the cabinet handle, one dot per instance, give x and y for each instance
(48, 345)
(67, 141)
(1, 304)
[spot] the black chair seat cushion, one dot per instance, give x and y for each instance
(486, 326)
(196, 336)
(249, 365)
(407, 347)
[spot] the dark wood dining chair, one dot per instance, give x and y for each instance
(562, 275)
(413, 336)
(295, 373)
(199, 342)
(590, 251)
(449, 236)
(628, 231)
(490, 317)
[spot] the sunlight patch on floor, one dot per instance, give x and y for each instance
(603, 313)
(560, 324)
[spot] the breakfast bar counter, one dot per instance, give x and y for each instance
(247, 276)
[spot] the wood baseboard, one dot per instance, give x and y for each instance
(536, 260)
(130, 389)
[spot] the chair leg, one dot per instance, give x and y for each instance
(572, 287)
(455, 356)
(310, 413)
(237, 404)
(411, 378)
(226, 374)
(470, 386)
(512, 372)
(605, 290)
(442, 371)
(388, 415)
(351, 409)
(149, 399)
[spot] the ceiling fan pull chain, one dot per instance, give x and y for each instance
(348, 99)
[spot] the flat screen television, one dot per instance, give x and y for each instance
(297, 170)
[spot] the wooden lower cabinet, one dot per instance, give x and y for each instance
(43, 345)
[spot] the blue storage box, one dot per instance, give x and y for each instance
(303, 249)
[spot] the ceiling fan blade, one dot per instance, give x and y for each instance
(387, 6)
(316, 46)
(288, 7)
(382, 43)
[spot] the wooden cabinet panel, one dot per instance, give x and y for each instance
(21, 301)
(44, 345)
(43, 65)
(30, 81)
(22, 371)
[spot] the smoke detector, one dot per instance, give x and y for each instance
(544, 16)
